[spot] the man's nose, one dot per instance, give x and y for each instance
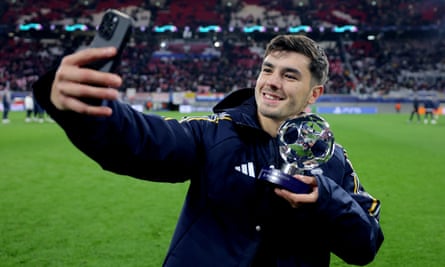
(274, 80)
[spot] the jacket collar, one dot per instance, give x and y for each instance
(241, 107)
(234, 99)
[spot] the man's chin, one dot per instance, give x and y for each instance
(273, 114)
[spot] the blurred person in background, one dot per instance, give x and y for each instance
(29, 107)
(398, 107)
(38, 111)
(429, 111)
(229, 217)
(415, 110)
(437, 110)
(6, 101)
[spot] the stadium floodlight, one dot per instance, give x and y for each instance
(210, 28)
(255, 28)
(30, 26)
(346, 28)
(217, 44)
(165, 28)
(76, 27)
(158, 3)
(304, 28)
(229, 3)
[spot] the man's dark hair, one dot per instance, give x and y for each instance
(319, 66)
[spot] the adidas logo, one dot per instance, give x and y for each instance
(246, 169)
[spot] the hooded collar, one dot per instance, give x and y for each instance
(241, 107)
(234, 99)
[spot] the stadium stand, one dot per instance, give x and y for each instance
(398, 60)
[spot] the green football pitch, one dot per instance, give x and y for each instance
(58, 208)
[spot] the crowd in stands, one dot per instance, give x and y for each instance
(267, 12)
(378, 66)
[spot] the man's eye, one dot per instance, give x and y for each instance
(268, 70)
(290, 76)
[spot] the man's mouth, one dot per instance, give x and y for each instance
(272, 97)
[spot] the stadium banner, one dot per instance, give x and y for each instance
(184, 98)
(347, 110)
(17, 104)
(160, 97)
(209, 97)
(191, 108)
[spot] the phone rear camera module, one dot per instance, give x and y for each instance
(108, 26)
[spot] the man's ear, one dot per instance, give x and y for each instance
(317, 91)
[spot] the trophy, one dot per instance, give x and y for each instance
(304, 142)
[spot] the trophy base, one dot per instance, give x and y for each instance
(284, 181)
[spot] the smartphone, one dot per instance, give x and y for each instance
(114, 30)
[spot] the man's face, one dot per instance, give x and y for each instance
(283, 88)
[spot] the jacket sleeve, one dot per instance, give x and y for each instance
(351, 214)
(128, 142)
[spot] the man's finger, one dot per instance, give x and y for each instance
(71, 89)
(85, 56)
(87, 76)
(78, 106)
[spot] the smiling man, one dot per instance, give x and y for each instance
(286, 86)
(229, 217)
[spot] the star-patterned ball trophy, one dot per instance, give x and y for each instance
(305, 142)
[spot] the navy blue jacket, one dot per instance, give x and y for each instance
(229, 217)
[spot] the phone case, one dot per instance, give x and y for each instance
(114, 30)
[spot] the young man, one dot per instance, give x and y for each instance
(229, 218)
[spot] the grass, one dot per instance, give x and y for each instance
(58, 208)
(402, 165)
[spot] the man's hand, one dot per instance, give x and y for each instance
(297, 200)
(73, 82)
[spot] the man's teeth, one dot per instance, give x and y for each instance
(271, 97)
